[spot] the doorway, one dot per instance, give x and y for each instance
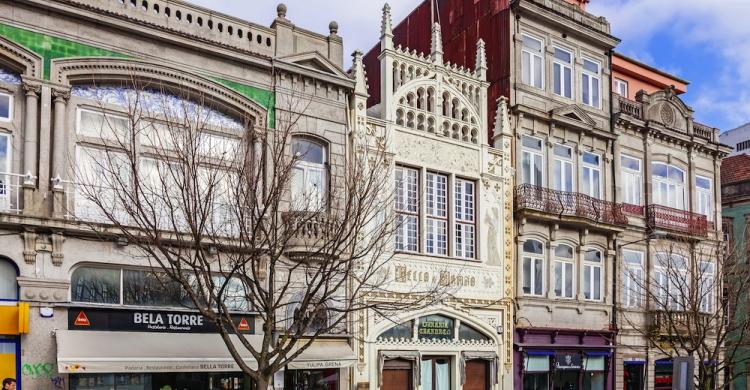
(436, 373)
(397, 375)
(477, 375)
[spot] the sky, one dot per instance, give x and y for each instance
(706, 42)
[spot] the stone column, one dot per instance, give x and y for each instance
(30, 142)
(59, 161)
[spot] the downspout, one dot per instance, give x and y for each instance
(613, 323)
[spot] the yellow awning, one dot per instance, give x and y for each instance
(14, 320)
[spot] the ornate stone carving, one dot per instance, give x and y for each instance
(667, 115)
(29, 247)
(57, 249)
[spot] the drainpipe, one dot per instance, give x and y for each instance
(615, 243)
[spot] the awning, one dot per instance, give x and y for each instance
(116, 352)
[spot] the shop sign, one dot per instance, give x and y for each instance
(568, 361)
(115, 320)
(435, 327)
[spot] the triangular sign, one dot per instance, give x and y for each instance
(243, 325)
(82, 320)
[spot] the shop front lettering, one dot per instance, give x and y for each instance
(172, 319)
(446, 278)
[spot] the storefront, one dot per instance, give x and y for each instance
(563, 360)
(436, 352)
(176, 350)
(14, 322)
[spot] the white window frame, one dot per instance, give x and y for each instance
(404, 199)
(675, 191)
(665, 270)
(11, 104)
(436, 214)
(560, 162)
(707, 289)
(533, 156)
(591, 280)
(115, 137)
(633, 279)
(465, 219)
(588, 170)
(621, 88)
(533, 259)
(313, 199)
(558, 73)
(7, 200)
(589, 75)
(565, 293)
(533, 57)
(704, 198)
(632, 180)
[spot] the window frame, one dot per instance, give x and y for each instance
(590, 89)
(467, 223)
(405, 212)
(307, 168)
(667, 181)
(558, 180)
(428, 216)
(619, 83)
(707, 306)
(14, 282)
(563, 261)
(533, 259)
(11, 106)
(629, 277)
(592, 278)
(532, 154)
(668, 271)
(591, 168)
(556, 62)
(632, 176)
(531, 82)
(704, 194)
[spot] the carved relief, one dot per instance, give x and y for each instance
(667, 115)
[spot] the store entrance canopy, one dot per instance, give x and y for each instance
(119, 352)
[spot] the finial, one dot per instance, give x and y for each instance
(358, 73)
(281, 10)
(502, 118)
(333, 27)
(437, 44)
(481, 62)
(386, 29)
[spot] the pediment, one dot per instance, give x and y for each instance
(575, 113)
(316, 61)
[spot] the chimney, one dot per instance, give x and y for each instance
(579, 3)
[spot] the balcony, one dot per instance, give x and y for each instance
(629, 107)
(674, 323)
(569, 204)
(11, 192)
(308, 233)
(679, 221)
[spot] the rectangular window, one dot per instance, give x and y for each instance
(591, 83)
(563, 279)
(533, 275)
(592, 275)
(7, 199)
(631, 179)
(436, 193)
(103, 126)
(563, 179)
(532, 66)
(99, 174)
(6, 107)
(465, 237)
(706, 291)
(532, 161)
(407, 200)
(592, 184)
(742, 145)
(562, 72)
(621, 88)
(632, 278)
(671, 279)
(704, 196)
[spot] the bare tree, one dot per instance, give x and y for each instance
(240, 216)
(694, 299)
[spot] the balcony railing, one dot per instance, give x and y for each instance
(672, 323)
(571, 204)
(309, 232)
(703, 131)
(681, 221)
(11, 192)
(630, 107)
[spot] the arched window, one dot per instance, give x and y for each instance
(318, 316)
(8, 281)
(533, 268)
(309, 179)
(592, 275)
(564, 271)
(668, 185)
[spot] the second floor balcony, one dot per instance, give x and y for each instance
(675, 220)
(561, 204)
(675, 323)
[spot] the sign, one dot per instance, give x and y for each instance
(123, 320)
(568, 361)
(435, 327)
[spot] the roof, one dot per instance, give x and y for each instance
(735, 169)
(651, 68)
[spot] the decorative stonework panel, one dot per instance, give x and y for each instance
(455, 280)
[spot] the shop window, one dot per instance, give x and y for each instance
(435, 327)
(536, 371)
(634, 375)
(182, 380)
(6, 107)
(327, 379)
(594, 375)
(309, 179)
(436, 373)
(8, 281)
(95, 285)
(153, 289)
(663, 374)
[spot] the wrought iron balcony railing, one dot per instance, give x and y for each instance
(681, 221)
(570, 204)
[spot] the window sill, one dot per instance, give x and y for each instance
(444, 257)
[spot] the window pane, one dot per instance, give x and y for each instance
(526, 275)
(593, 256)
(8, 282)
(585, 89)
(568, 280)
(591, 158)
(591, 66)
(526, 68)
(4, 106)
(568, 82)
(597, 283)
(562, 55)
(562, 151)
(532, 246)
(630, 163)
(530, 142)
(148, 288)
(587, 282)
(537, 170)
(659, 170)
(95, 285)
(538, 277)
(308, 151)
(595, 92)
(532, 43)
(4, 151)
(537, 72)
(702, 182)
(564, 251)
(558, 278)
(557, 74)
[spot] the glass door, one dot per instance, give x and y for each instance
(9, 359)
(436, 373)
(633, 375)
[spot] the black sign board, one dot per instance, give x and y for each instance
(435, 327)
(121, 320)
(568, 360)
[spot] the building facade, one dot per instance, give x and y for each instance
(738, 139)
(67, 64)
(453, 215)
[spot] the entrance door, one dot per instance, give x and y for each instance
(397, 375)
(477, 375)
(436, 373)
(565, 380)
(633, 375)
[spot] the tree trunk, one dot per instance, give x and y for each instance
(263, 382)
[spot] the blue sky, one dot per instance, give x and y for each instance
(706, 42)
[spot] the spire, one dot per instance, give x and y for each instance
(481, 62)
(386, 29)
(502, 119)
(358, 74)
(437, 44)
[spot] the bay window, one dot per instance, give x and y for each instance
(436, 198)
(591, 83)
(562, 72)
(532, 61)
(592, 185)
(309, 179)
(563, 179)
(668, 185)
(631, 179)
(407, 199)
(6, 107)
(532, 161)
(704, 197)
(533, 268)
(464, 218)
(592, 275)
(632, 278)
(564, 271)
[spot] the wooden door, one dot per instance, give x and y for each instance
(477, 375)
(396, 379)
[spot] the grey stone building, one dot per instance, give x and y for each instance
(58, 61)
